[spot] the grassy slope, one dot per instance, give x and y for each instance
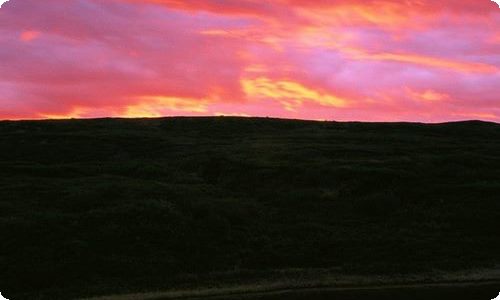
(102, 206)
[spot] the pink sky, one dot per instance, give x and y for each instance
(368, 60)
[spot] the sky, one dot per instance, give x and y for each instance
(344, 60)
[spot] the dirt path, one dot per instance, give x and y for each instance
(260, 291)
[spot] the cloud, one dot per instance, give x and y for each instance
(290, 94)
(29, 35)
(333, 59)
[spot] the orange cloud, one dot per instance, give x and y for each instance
(289, 93)
(380, 13)
(428, 96)
(156, 106)
(426, 61)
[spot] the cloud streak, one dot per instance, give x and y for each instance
(385, 60)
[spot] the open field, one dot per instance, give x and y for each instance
(114, 206)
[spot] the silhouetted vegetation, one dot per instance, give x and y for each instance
(97, 206)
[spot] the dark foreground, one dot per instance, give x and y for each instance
(92, 207)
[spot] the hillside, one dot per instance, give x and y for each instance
(90, 207)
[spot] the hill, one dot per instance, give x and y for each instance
(91, 207)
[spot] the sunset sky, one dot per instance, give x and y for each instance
(367, 60)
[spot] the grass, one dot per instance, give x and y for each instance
(93, 207)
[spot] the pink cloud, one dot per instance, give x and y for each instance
(328, 59)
